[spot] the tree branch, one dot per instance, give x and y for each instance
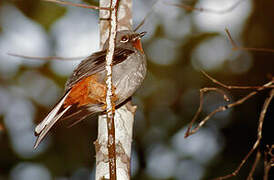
(236, 47)
(109, 103)
(257, 159)
(78, 5)
(259, 136)
(46, 58)
(207, 10)
(191, 131)
(124, 116)
(232, 87)
(268, 162)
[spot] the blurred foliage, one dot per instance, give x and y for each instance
(166, 102)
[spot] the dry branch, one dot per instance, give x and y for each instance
(46, 58)
(207, 10)
(257, 159)
(236, 47)
(191, 131)
(78, 5)
(268, 163)
(233, 87)
(109, 96)
(124, 116)
(259, 136)
(202, 92)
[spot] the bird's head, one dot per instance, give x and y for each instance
(128, 39)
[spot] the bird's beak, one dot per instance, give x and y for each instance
(142, 34)
(138, 36)
(136, 40)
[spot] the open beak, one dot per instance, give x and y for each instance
(138, 36)
(142, 34)
(136, 40)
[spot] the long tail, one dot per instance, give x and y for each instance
(43, 128)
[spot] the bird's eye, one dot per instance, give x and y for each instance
(124, 39)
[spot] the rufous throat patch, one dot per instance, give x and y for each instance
(138, 45)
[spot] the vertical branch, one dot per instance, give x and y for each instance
(109, 103)
(124, 116)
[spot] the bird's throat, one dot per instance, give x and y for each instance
(138, 45)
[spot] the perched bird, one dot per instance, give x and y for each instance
(85, 90)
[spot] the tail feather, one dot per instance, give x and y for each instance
(80, 113)
(77, 117)
(70, 113)
(42, 129)
(48, 127)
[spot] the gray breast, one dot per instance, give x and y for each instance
(129, 75)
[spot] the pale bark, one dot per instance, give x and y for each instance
(124, 116)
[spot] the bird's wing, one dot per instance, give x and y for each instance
(96, 63)
(91, 65)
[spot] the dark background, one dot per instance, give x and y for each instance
(179, 43)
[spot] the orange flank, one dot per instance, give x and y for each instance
(87, 91)
(138, 45)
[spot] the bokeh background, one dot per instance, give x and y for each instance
(179, 43)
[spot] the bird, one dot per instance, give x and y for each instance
(85, 90)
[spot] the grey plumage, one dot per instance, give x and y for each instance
(129, 70)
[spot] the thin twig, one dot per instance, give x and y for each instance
(78, 5)
(232, 87)
(109, 96)
(258, 157)
(202, 92)
(236, 47)
(191, 131)
(124, 115)
(268, 164)
(207, 10)
(46, 58)
(259, 136)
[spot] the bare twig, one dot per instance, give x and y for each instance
(258, 157)
(232, 87)
(202, 92)
(236, 47)
(207, 10)
(259, 136)
(78, 5)
(268, 164)
(191, 131)
(109, 96)
(124, 115)
(46, 58)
